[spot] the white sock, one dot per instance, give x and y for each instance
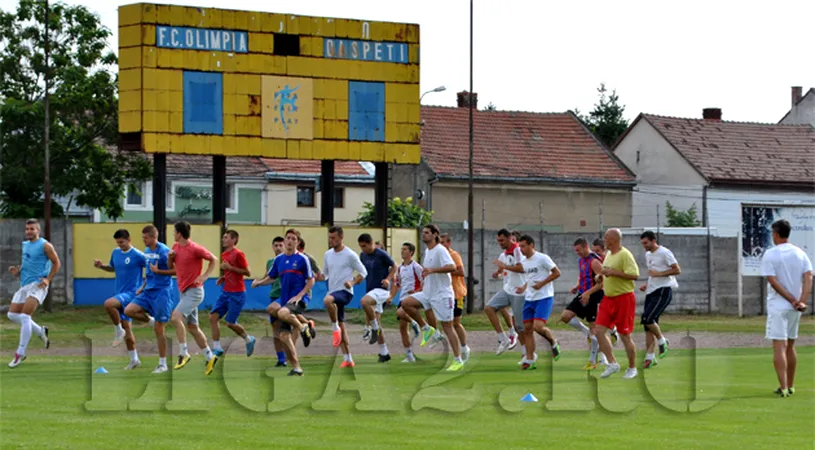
(25, 333)
(119, 329)
(15, 317)
(502, 337)
(335, 326)
(162, 361)
(650, 356)
(523, 349)
(247, 338)
(662, 340)
(134, 355)
(217, 345)
(151, 321)
(414, 323)
(182, 350)
(347, 358)
(512, 332)
(426, 327)
(595, 346)
(207, 353)
(374, 324)
(459, 360)
(579, 326)
(438, 335)
(383, 349)
(408, 351)
(465, 348)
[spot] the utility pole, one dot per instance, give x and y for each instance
(47, 107)
(601, 215)
(470, 237)
(659, 224)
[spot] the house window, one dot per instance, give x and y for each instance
(230, 196)
(305, 197)
(339, 198)
(135, 194)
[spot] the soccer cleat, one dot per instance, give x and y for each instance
(218, 352)
(791, 390)
(161, 368)
(281, 364)
(556, 351)
(437, 339)
(416, 330)
(502, 347)
(465, 354)
(614, 336)
(630, 373)
(250, 346)
(374, 337)
(590, 366)
(182, 361)
(306, 335)
(384, 358)
(45, 341)
(336, 338)
(649, 363)
(528, 366)
(427, 334)
(523, 358)
(663, 349)
(409, 359)
(133, 365)
(16, 361)
(513, 341)
(366, 334)
(295, 373)
(210, 365)
(610, 370)
(455, 366)
(784, 392)
(347, 364)
(312, 329)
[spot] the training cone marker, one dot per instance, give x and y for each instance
(101, 370)
(529, 398)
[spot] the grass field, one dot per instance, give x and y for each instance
(56, 402)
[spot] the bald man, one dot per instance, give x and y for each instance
(618, 306)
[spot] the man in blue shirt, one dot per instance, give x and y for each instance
(296, 281)
(154, 300)
(39, 266)
(128, 264)
(381, 270)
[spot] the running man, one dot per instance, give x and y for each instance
(128, 264)
(40, 264)
(315, 269)
(540, 271)
(233, 295)
(339, 265)
(154, 299)
(789, 275)
(381, 270)
(598, 246)
(507, 297)
(460, 293)
(407, 281)
(662, 269)
(618, 306)
(437, 291)
(274, 295)
(589, 293)
(296, 281)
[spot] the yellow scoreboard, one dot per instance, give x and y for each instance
(239, 83)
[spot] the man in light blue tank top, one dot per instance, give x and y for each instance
(128, 264)
(36, 272)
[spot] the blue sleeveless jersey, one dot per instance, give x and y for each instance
(36, 264)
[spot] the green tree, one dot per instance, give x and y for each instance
(682, 219)
(401, 214)
(606, 119)
(83, 110)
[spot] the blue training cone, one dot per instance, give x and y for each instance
(101, 370)
(529, 398)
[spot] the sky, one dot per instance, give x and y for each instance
(666, 58)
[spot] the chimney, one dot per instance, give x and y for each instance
(712, 114)
(463, 99)
(797, 92)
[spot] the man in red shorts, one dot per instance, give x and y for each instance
(618, 306)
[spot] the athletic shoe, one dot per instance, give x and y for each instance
(427, 334)
(16, 361)
(513, 341)
(45, 341)
(133, 365)
(416, 330)
(465, 354)
(250, 346)
(556, 351)
(455, 366)
(630, 373)
(523, 358)
(437, 339)
(374, 337)
(791, 390)
(161, 368)
(182, 361)
(118, 338)
(210, 365)
(649, 363)
(784, 392)
(590, 366)
(384, 358)
(610, 370)
(295, 373)
(281, 364)
(218, 352)
(663, 349)
(347, 364)
(409, 359)
(614, 336)
(306, 335)
(336, 338)
(366, 334)
(502, 347)
(528, 366)
(312, 329)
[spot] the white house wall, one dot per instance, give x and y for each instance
(282, 209)
(658, 162)
(802, 113)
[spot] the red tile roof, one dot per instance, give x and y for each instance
(740, 152)
(201, 165)
(312, 167)
(509, 144)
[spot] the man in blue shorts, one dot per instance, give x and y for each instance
(155, 298)
(128, 264)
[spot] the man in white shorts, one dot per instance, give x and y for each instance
(381, 270)
(789, 275)
(408, 281)
(437, 291)
(507, 298)
(40, 264)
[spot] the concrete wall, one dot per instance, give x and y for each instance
(802, 113)
(12, 234)
(281, 207)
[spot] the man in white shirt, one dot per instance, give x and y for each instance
(437, 291)
(662, 271)
(339, 265)
(507, 298)
(539, 292)
(789, 275)
(408, 281)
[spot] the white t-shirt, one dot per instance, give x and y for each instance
(537, 268)
(409, 279)
(438, 285)
(512, 280)
(339, 267)
(788, 264)
(660, 260)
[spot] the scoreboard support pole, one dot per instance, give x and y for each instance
(219, 191)
(159, 195)
(327, 193)
(381, 196)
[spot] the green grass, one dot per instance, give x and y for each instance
(57, 402)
